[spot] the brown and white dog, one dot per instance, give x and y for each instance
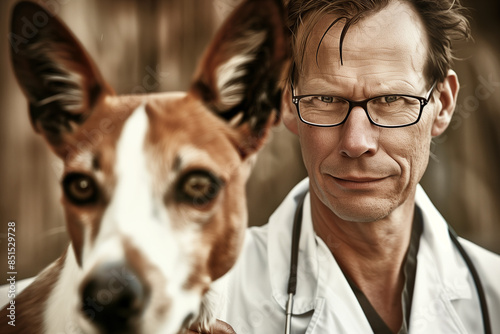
(156, 208)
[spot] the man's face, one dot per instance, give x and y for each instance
(362, 172)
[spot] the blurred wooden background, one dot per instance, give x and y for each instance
(154, 45)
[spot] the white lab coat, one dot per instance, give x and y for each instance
(252, 296)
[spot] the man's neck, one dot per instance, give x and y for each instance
(371, 254)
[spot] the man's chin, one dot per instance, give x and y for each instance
(363, 211)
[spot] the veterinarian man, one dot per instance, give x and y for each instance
(370, 87)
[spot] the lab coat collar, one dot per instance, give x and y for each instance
(440, 271)
(438, 251)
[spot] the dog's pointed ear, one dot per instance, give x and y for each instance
(59, 79)
(239, 76)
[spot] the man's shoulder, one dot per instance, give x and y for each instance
(279, 224)
(487, 265)
(487, 262)
(255, 236)
(254, 250)
(485, 259)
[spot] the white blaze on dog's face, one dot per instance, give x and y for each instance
(154, 185)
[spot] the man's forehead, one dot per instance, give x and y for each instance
(393, 34)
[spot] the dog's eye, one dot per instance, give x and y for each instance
(80, 189)
(199, 187)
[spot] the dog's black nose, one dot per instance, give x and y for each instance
(113, 298)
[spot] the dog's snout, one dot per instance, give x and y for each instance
(113, 298)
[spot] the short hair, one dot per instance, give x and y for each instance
(444, 20)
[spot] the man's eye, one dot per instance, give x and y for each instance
(80, 189)
(326, 99)
(318, 99)
(391, 98)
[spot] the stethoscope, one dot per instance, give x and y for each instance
(294, 259)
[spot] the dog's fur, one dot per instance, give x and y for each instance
(155, 203)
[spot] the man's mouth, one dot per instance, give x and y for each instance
(359, 182)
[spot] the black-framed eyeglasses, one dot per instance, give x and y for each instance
(387, 111)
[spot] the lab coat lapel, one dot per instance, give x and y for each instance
(339, 310)
(441, 276)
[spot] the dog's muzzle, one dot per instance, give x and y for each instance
(113, 298)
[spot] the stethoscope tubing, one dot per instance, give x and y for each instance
(477, 281)
(294, 261)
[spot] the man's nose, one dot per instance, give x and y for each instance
(359, 135)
